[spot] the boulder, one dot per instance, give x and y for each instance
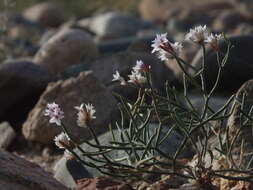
(65, 48)
(7, 135)
(68, 173)
(47, 14)
(189, 12)
(21, 84)
(69, 93)
(245, 7)
(19, 174)
(238, 69)
(227, 21)
(115, 25)
(105, 66)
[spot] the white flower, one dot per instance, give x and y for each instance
(213, 41)
(198, 34)
(136, 78)
(90, 110)
(141, 67)
(55, 113)
(164, 48)
(62, 140)
(159, 41)
(117, 77)
(85, 116)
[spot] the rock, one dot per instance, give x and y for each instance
(21, 84)
(105, 66)
(69, 93)
(47, 14)
(236, 120)
(155, 11)
(7, 135)
(19, 174)
(67, 174)
(243, 29)
(215, 102)
(189, 12)
(115, 25)
(245, 7)
(238, 68)
(67, 47)
(227, 21)
(127, 43)
(102, 183)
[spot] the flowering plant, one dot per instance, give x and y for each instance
(142, 149)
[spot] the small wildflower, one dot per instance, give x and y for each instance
(85, 116)
(164, 48)
(213, 41)
(136, 78)
(141, 67)
(55, 113)
(117, 77)
(198, 34)
(160, 40)
(62, 140)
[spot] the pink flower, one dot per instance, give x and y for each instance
(164, 48)
(55, 113)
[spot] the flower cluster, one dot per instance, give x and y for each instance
(167, 50)
(200, 35)
(136, 76)
(84, 116)
(164, 48)
(55, 113)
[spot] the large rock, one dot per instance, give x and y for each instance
(68, 171)
(244, 6)
(46, 14)
(19, 174)
(65, 48)
(238, 69)
(105, 66)
(189, 11)
(21, 84)
(7, 135)
(114, 25)
(228, 21)
(69, 93)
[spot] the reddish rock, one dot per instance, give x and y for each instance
(19, 174)
(102, 183)
(46, 14)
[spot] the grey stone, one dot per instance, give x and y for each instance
(7, 135)
(238, 69)
(65, 169)
(115, 25)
